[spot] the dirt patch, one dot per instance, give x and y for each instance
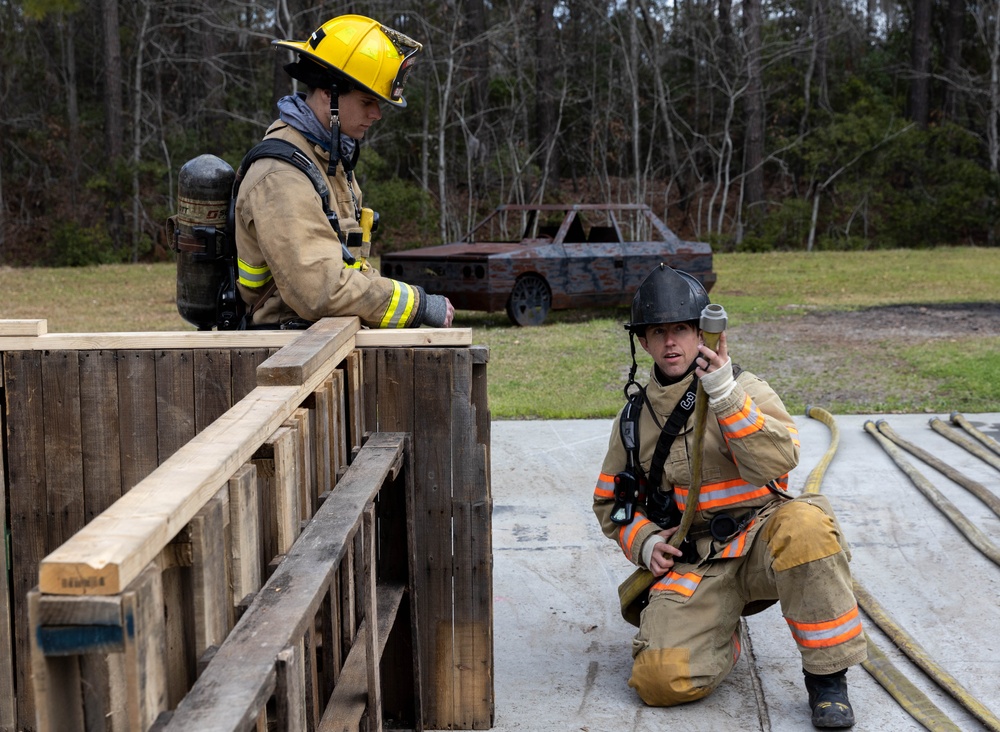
(833, 359)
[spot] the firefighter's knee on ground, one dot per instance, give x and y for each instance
(662, 677)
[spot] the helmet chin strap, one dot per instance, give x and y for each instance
(334, 131)
(631, 372)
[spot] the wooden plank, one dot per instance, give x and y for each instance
(338, 437)
(322, 426)
(287, 460)
(113, 548)
(175, 394)
(213, 387)
(208, 575)
(244, 522)
(349, 700)
(56, 683)
(369, 364)
(236, 685)
(290, 689)
(472, 559)
(244, 364)
(432, 461)
(137, 416)
(23, 327)
(102, 467)
(354, 395)
(63, 450)
(297, 362)
(370, 604)
(8, 699)
(396, 389)
(306, 463)
(26, 497)
(145, 646)
(401, 338)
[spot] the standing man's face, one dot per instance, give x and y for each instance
(673, 346)
(359, 110)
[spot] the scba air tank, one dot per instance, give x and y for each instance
(206, 287)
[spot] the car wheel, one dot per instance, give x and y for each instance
(529, 300)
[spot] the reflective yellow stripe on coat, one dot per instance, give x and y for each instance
(253, 277)
(400, 306)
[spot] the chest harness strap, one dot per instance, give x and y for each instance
(632, 486)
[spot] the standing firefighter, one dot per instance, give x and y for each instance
(301, 257)
(749, 544)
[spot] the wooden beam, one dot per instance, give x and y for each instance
(23, 327)
(231, 339)
(110, 551)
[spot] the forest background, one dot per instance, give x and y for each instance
(756, 125)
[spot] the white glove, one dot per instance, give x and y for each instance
(647, 548)
(719, 384)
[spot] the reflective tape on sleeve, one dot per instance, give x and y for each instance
(253, 277)
(400, 306)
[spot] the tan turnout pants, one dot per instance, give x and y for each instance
(688, 639)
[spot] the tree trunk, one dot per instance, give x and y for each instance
(114, 126)
(753, 145)
(953, 57)
(920, 64)
(546, 70)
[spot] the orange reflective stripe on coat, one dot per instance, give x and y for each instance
(627, 533)
(742, 423)
(725, 493)
(737, 546)
(605, 487)
(827, 634)
(683, 584)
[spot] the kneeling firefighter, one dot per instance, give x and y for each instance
(749, 544)
(302, 236)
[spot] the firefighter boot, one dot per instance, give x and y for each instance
(831, 709)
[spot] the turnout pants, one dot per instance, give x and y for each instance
(688, 639)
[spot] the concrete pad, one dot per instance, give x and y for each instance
(562, 651)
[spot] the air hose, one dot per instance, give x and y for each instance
(962, 441)
(961, 421)
(914, 701)
(969, 530)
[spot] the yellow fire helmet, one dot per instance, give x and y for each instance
(370, 56)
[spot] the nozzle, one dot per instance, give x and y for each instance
(713, 318)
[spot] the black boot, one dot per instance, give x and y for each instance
(831, 709)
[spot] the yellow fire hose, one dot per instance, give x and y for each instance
(961, 421)
(632, 592)
(910, 698)
(962, 441)
(881, 432)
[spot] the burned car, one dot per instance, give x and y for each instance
(529, 259)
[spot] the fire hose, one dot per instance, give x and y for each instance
(961, 421)
(910, 698)
(979, 450)
(884, 435)
(712, 323)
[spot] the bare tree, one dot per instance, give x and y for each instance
(114, 125)
(920, 63)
